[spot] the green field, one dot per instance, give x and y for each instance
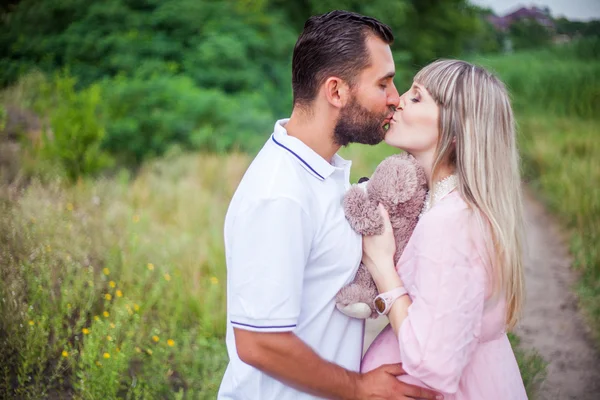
(114, 287)
(557, 101)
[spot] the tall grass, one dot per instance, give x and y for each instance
(115, 288)
(558, 81)
(556, 94)
(560, 160)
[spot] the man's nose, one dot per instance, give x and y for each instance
(394, 98)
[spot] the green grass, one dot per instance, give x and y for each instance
(531, 365)
(550, 82)
(116, 288)
(556, 95)
(560, 161)
(156, 239)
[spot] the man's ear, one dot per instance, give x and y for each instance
(337, 91)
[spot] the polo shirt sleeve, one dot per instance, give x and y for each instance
(269, 248)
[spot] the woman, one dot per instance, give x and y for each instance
(458, 285)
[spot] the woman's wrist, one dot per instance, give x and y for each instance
(384, 274)
(389, 282)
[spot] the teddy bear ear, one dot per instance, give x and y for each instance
(363, 179)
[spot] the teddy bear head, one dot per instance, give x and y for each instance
(400, 185)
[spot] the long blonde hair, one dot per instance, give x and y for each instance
(477, 137)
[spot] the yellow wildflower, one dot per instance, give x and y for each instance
(106, 314)
(106, 271)
(70, 206)
(106, 355)
(109, 338)
(85, 331)
(167, 277)
(155, 338)
(150, 266)
(112, 325)
(98, 363)
(149, 352)
(31, 323)
(136, 307)
(214, 280)
(112, 284)
(96, 318)
(68, 305)
(107, 296)
(65, 353)
(138, 350)
(171, 342)
(119, 293)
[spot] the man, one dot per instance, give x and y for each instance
(288, 246)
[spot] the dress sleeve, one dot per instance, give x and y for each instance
(443, 325)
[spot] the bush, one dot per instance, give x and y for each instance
(75, 133)
(146, 116)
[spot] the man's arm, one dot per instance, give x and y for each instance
(285, 357)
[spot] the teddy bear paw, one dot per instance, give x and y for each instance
(356, 310)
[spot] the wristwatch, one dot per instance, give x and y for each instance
(384, 301)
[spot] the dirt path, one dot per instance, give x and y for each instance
(551, 323)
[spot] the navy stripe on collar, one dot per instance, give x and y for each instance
(299, 158)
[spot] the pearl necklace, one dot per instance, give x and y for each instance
(443, 188)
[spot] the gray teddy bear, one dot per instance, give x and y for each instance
(399, 184)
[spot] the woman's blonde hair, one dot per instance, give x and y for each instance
(477, 137)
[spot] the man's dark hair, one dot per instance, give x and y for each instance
(332, 44)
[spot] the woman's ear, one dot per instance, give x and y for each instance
(337, 92)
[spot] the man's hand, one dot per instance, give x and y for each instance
(382, 384)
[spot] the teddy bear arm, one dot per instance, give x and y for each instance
(358, 295)
(361, 213)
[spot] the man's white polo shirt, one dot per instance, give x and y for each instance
(289, 250)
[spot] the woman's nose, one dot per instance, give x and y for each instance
(401, 103)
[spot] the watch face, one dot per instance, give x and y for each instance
(379, 304)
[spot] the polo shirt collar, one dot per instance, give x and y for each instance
(307, 157)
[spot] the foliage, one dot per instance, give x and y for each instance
(204, 39)
(531, 365)
(578, 28)
(527, 33)
(75, 133)
(211, 75)
(145, 117)
(93, 307)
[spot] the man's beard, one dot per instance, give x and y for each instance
(356, 124)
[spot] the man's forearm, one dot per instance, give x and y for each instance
(287, 358)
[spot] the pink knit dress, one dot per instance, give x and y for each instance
(454, 339)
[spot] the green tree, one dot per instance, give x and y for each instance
(528, 33)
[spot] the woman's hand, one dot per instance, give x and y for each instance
(378, 250)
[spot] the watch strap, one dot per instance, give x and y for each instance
(388, 298)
